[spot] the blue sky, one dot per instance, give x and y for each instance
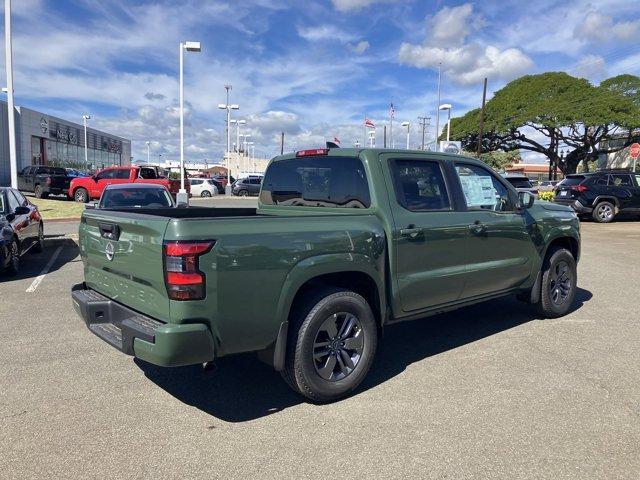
(310, 69)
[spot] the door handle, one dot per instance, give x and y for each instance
(411, 231)
(477, 228)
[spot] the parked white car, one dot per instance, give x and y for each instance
(202, 187)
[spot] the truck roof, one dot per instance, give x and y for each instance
(355, 152)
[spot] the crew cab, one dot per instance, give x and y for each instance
(344, 243)
(43, 181)
(83, 189)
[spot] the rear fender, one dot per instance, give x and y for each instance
(607, 198)
(317, 266)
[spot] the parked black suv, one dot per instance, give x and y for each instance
(601, 194)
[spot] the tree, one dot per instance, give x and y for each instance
(500, 161)
(540, 113)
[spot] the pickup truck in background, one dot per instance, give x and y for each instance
(344, 242)
(83, 189)
(43, 181)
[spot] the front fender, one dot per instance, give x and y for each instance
(316, 266)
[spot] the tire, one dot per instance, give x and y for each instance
(205, 194)
(558, 285)
(319, 363)
(14, 261)
(81, 195)
(37, 191)
(604, 212)
(39, 245)
(243, 193)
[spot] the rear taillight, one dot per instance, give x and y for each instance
(183, 277)
(579, 188)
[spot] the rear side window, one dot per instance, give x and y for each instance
(316, 182)
(146, 173)
(621, 180)
(419, 185)
(520, 182)
(573, 180)
(121, 174)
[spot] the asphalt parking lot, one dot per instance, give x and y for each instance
(485, 392)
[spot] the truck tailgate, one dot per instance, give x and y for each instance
(122, 255)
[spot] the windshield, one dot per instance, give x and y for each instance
(316, 182)
(136, 198)
(520, 182)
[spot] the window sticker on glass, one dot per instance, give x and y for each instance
(478, 191)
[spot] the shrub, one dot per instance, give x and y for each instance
(548, 196)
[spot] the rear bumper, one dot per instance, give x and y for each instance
(163, 344)
(575, 204)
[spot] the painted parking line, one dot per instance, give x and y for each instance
(45, 270)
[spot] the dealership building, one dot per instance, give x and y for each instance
(43, 139)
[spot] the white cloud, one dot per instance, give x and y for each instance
(351, 5)
(325, 32)
(600, 27)
(592, 67)
(360, 47)
(450, 26)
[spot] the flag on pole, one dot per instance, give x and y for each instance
(392, 111)
(336, 140)
(369, 123)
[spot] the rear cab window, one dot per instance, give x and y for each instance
(322, 181)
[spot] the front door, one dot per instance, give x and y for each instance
(499, 249)
(428, 236)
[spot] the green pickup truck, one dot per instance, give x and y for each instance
(343, 243)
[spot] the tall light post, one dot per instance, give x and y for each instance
(438, 110)
(447, 107)
(372, 139)
(182, 197)
(86, 117)
(408, 125)
(13, 156)
(148, 151)
(228, 107)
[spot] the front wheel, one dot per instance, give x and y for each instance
(559, 283)
(331, 345)
(81, 195)
(243, 193)
(14, 258)
(604, 212)
(205, 194)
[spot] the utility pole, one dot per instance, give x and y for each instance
(484, 101)
(438, 108)
(424, 122)
(13, 156)
(384, 136)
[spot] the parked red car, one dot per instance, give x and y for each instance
(83, 189)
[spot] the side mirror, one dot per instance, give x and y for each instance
(525, 200)
(90, 206)
(22, 211)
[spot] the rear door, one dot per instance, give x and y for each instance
(429, 235)
(123, 259)
(499, 250)
(636, 191)
(622, 187)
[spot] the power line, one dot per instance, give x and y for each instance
(424, 122)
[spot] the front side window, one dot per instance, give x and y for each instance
(419, 185)
(120, 174)
(316, 182)
(483, 191)
(106, 175)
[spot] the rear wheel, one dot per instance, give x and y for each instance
(38, 192)
(331, 345)
(604, 212)
(81, 195)
(559, 283)
(205, 193)
(39, 245)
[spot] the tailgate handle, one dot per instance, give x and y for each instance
(109, 230)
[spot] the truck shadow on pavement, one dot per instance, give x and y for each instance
(244, 389)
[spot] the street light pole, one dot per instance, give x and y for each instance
(438, 110)
(408, 125)
(86, 117)
(228, 107)
(148, 152)
(448, 107)
(13, 157)
(183, 197)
